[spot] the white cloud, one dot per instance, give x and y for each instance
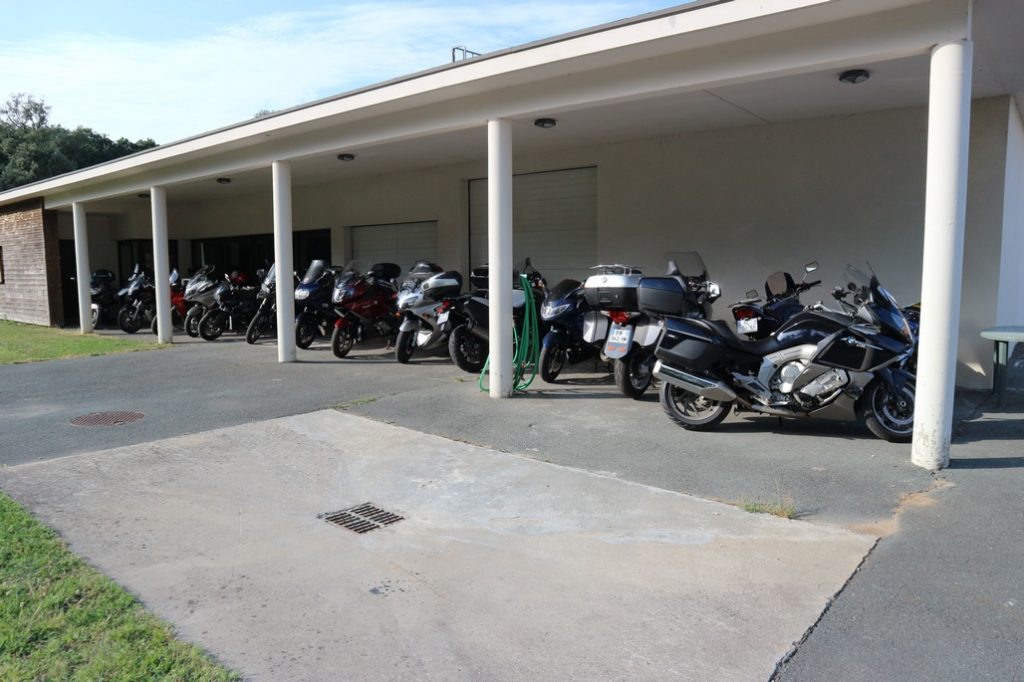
(172, 89)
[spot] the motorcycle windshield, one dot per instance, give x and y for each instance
(316, 268)
(173, 279)
(134, 283)
(562, 290)
(271, 275)
(690, 264)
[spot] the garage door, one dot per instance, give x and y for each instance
(402, 243)
(554, 221)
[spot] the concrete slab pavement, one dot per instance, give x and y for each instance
(504, 567)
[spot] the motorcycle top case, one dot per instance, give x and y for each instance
(612, 292)
(384, 271)
(660, 296)
(479, 278)
(443, 285)
(689, 345)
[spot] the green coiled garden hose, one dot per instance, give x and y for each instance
(526, 342)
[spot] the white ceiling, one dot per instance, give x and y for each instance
(998, 68)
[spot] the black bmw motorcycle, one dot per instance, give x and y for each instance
(820, 363)
(139, 307)
(235, 304)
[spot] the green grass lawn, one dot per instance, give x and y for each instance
(32, 343)
(62, 620)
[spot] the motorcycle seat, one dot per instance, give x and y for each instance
(759, 347)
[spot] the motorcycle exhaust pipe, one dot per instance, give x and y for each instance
(702, 386)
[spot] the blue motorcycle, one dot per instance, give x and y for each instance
(574, 329)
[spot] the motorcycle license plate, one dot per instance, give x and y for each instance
(442, 318)
(620, 336)
(747, 325)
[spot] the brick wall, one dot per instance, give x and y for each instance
(31, 288)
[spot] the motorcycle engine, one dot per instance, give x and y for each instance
(823, 385)
(787, 375)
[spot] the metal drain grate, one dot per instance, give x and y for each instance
(362, 518)
(107, 418)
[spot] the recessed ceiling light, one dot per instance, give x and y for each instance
(545, 123)
(144, 195)
(346, 157)
(854, 76)
(223, 181)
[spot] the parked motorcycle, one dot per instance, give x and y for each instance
(820, 362)
(758, 319)
(365, 306)
(234, 306)
(264, 321)
(633, 332)
(104, 297)
(314, 313)
(574, 329)
(424, 301)
(199, 293)
(139, 305)
(468, 341)
(179, 307)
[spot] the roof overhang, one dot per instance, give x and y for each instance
(707, 47)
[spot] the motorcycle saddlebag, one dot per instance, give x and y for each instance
(612, 292)
(444, 285)
(689, 345)
(660, 296)
(595, 327)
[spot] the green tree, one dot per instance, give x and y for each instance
(31, 149)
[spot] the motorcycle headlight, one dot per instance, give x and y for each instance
(301, 294)
(548, 311)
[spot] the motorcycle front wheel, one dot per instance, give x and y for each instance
(405, 345)
(255, 330)
(341, 342)
(633, 373)
(469, 352)
(192, 318)
(130, 320)
(691, 411)
(212, 325)
(887, 415)
(305, 334)
(553, 359)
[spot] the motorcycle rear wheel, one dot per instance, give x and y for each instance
(192, 318)
(691, 411)
(887, 416)
(130, 320)
(469, 352)
(341, 342)
(212, 325)
(633, 373)
(553, 360)
(405, 345)
(305, 334)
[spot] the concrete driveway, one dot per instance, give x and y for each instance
(936, 599)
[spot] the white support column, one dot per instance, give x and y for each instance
(499, 255)
(161, 265)
(949, 114)
(82, 275)
(282, 179)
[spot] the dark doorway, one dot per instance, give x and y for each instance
(249, 253)
(68, 286)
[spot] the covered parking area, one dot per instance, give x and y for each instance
(721, 127)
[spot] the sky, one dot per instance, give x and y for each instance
(167, 69)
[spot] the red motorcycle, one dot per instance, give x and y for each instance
(179, 307)
(366, 305)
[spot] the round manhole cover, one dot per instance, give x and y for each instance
(107, 418)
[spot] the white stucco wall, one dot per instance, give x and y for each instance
(1011, 273)
(752, 200)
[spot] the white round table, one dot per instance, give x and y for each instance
(1003, 337)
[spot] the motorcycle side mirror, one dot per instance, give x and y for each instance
(811, 267)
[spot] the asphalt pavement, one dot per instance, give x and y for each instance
(939, 597)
